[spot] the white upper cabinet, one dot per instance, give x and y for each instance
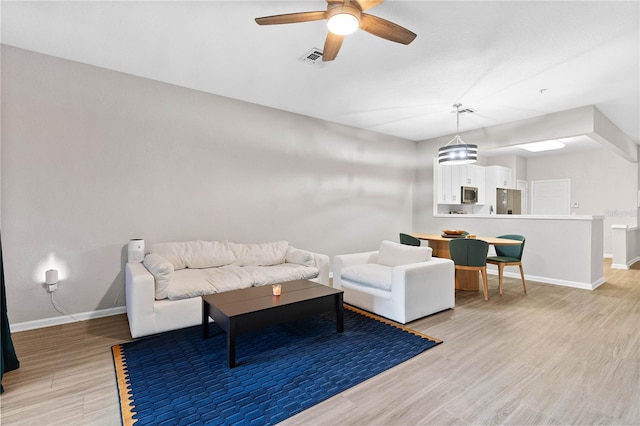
(496, 177)
(499, 177)
(449, 180)
(477, 179)
(473, 175)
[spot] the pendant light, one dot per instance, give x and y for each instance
(456, 151)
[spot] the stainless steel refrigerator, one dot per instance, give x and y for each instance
(508, 201)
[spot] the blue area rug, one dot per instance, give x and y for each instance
(178, 378)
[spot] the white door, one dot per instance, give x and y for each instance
(551, 197)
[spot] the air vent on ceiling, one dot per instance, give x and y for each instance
(313, 57)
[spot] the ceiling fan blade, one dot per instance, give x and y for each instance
(386, 29)
(368, 4)
(362, 4)
(331, 46)
(292, 18)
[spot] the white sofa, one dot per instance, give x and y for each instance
(163, 292)
(399, 282)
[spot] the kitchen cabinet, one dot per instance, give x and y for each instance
(449, 180)
(496, 177)
(501, 177)
(473, 175)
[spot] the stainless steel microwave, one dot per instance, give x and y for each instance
(468, 194)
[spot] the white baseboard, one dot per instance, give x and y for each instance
(546, 280)
(627, 265)
(66, 319)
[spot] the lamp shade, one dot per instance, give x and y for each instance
(458, 154)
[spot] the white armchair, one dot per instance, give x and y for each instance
(399, 282)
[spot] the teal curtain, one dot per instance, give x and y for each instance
(9, 360)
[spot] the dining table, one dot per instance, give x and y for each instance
(439, 243)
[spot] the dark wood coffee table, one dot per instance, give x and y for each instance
(239, 311)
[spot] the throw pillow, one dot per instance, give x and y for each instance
(300, 257)
(208, 254)
(264, 254)
(395, 254)
(195, 254)
(162, 270)
(175, 253)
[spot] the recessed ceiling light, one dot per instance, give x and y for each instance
(542, 146)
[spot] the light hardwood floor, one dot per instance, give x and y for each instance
(554, 356)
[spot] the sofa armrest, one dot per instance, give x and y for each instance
(418, 270)
(323, 265)
(436, 276)
(139, 295)
(343, 261)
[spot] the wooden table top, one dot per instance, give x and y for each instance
(238, 302)
(491, 240)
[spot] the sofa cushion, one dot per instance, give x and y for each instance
(370, 274)
(394, 254)
(264, 275)
(187, 283)
(300, 257)
(229, 277)
(195, 254)
(264, 254)
(209, 254)
(162, 270)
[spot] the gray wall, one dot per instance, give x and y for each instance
(92, 158)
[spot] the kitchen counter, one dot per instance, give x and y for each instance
(519, 216)
(560, 250)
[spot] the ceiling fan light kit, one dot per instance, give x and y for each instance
(345, 17)
(343, 20)
(456, 151)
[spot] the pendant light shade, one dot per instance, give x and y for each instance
(456, 151)
(460, 153)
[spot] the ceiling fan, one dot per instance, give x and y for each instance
(344, 17)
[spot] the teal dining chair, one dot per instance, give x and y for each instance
(509, 256)
(471, 255)
(409, 240)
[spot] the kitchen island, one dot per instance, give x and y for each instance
(560, 250)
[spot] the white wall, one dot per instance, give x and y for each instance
(92, 158)
(602, 182)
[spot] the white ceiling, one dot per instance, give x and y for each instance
(507, 60)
